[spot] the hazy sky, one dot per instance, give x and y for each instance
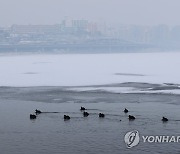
(144, 12)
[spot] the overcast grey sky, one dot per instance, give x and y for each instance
(144, 12)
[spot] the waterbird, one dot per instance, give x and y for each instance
(164, 119)
(101, 115)
(131, 117)
(37, 111)
(126, 110)
(32, 116)
(85, 114)
(66, 117)
(82, 108)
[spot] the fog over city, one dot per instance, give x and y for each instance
(141, 12)
(93, 25)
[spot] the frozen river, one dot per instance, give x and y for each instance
(89, 69)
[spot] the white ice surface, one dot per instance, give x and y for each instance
(124, 90)
(89, 69)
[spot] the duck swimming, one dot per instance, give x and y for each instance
(101, 115)
(82, 108)
(131, 117)
(32, 116)
(126, 110)
(86, 114)
(37, 111)
(66, 117)
(164, 119)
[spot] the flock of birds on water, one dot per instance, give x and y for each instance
(86, 114)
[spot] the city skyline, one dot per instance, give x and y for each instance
(138, 12)
(86, 35)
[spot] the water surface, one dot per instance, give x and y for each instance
(49, 133)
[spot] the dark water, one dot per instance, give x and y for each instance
(49, 133)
